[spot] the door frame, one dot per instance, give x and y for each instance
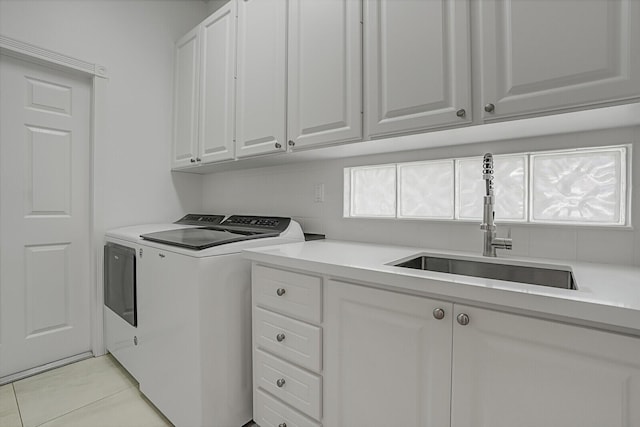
(97, 139)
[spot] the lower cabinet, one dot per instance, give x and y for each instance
(387, 358)
(511, 370)
(392, 359)
(287, 348)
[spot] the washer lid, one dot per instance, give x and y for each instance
(236, 228)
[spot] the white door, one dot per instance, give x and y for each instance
(217, 85)
(44, 215)
(417, 65)
(387, 359)
(185, 99)
(552, 55)
(512, 370)
(261, 84)
(325, 72)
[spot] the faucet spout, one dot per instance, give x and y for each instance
(491, 242)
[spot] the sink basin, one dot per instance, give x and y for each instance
(489, 270)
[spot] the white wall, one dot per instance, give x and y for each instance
(134, 39)
(289, 191)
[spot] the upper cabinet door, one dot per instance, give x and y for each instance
(261, 82)
(325, 72)
(185, 105)
(417, 65)
(541, 56)
(217, 85)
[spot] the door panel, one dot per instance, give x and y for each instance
(217, 85)
(417, 65)
(325, 77)
(44, 215)
(186, 98)
(512, 370)
(261, 83)
(552, 55)
(387, 359)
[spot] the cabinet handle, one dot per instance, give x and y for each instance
(280, 337)
(280, 382)
(489, 108)
(161, 255)
(281, 291)
(282, 425)
(278, 145)
(192, 160)
(135, 340)
(463, 319)
(198, 159)
(461, 113)
(291, 143)
(438, 313)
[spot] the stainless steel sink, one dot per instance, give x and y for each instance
(489, 270)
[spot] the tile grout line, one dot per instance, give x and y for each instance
(15, 397)
(83, 406)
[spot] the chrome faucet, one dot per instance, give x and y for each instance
(491, 242)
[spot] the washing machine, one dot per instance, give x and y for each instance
(184, 331)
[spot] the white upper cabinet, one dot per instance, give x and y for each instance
(261, 77)
(511, 370)
(544, 56)
(186, 96)
(417, 65)
(324, 72)
(217, 85)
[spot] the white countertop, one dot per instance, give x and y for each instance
(608, 296)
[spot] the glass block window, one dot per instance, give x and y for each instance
(581, 186)
(425, 190)
(578, 186)
(510, 187)
(372, 191)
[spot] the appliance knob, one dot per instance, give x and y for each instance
(282, 425)
(489, 108)
(140, 252)
(280, 337)
(291, 143)
(278, 145)
(280, 382)
(281, 291)
(198, 159)
(463, 319)
(438, 313)
(461, 113)
(192, 160)
(161, 255)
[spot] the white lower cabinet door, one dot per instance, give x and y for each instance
(387, 358)
(270, 412)
(511, 370)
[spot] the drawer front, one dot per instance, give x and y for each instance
(294, 386)
(295, 294)
(290, 339)
(269, 412)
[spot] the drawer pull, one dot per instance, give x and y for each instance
(280, 382)
(281, 291)
(280, 337)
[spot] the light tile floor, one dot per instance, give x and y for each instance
(96, 392)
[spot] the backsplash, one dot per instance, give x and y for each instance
(289, 190)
